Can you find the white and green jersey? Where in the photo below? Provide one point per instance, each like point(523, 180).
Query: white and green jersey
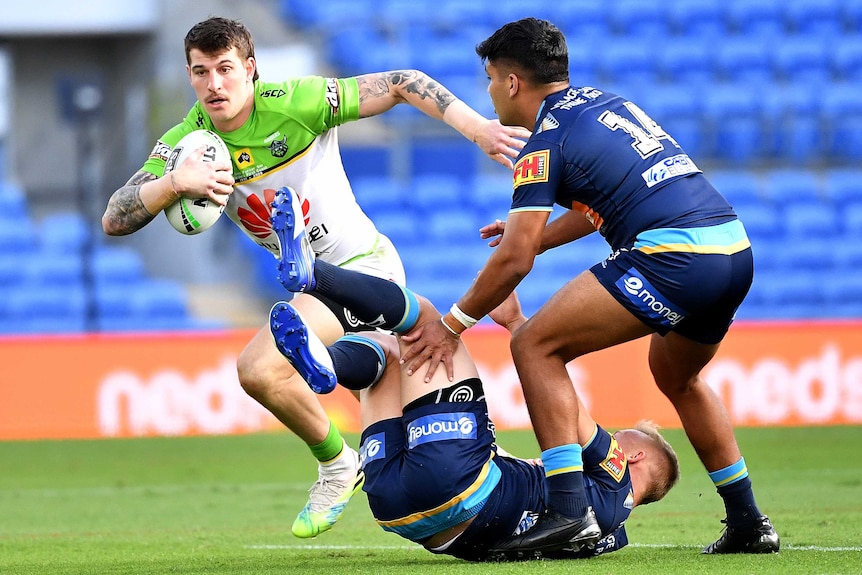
point(290, 140)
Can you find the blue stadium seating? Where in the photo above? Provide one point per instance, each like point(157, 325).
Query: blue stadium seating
point(814, 16)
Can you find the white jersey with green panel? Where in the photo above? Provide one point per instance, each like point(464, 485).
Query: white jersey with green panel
point(290, 139)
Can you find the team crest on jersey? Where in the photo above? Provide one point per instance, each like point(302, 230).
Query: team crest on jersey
point(615, 461)
point(243, 158)
point(532, 168)
point(161, 151)
point(278, 148)
point(548, 123)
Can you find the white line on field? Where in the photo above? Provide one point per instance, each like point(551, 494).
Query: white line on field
point(642, 545)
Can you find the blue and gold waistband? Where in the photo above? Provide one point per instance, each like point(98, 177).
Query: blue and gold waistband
point(726, 239)
point(424, 524)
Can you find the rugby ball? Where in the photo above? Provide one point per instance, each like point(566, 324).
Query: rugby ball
point(191, 216)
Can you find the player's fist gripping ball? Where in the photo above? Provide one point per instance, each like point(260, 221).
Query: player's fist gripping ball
point(191, 216)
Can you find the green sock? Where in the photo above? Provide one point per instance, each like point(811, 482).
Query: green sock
point(329, 448)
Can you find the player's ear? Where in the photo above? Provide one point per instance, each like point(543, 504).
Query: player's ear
point(635, 455)
point(514, 84)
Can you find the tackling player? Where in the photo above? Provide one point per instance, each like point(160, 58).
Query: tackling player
point(434, 474)
point(681, 264)
point(280, 134)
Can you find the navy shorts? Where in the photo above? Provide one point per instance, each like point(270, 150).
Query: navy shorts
point(432, 468)
point(690, 293)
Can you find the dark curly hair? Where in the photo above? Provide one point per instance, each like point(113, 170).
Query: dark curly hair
point(535, 46)
point(216, 35)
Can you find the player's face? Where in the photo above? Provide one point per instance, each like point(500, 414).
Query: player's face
point(498, 90)
point(222, 83)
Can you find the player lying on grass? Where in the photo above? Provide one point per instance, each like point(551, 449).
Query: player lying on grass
point(433, 472)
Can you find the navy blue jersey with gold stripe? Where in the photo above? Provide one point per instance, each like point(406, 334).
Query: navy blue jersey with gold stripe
point(599, 154)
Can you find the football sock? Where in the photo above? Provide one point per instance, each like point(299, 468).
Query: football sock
point(375, 301)
point(564, 473)
point(329, 448)
point(734, 486)
point(358, 361)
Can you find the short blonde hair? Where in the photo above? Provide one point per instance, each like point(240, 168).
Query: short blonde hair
point(666, 467)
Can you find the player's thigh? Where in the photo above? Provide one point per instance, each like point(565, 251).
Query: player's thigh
point(261, 360)
point(580, 318)
point(676, 361)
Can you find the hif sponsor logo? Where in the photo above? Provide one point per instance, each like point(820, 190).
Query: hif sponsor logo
point(441, 426)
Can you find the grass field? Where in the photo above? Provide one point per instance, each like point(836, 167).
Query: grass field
point(224, 505)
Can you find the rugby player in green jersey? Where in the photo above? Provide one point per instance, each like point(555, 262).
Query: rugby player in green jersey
point(284, 134)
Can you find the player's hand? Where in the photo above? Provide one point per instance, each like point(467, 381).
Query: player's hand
point(509, 313)
point(501, 142)
point(495, 231)
point(432, 343)
point(195, 178)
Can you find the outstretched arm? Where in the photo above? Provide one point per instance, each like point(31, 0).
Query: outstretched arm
point(381, 91)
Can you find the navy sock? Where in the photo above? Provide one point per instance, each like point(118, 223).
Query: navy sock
point(565, 478)
point(358, 361)
point(375, 301)
point(734, 486)
point(739, 503)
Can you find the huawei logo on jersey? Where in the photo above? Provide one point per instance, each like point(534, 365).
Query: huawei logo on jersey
point(256, 218)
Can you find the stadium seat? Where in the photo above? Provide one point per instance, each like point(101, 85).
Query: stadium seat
point(679, 110)
point(452, 156)
point(804, 220)
point(814, 16)
point(379, 194)
point(846, 58)
point(60, 303)
point(13, 201)
point(841, 289)
point(698, 19)
point(687, 61)
point(581, 21)
point(116, 265)
point(626, 61)
point(64, 232)
point(744, 59)
point(755, 18)
point(366, 161)
point(789, 185)
point(490, 195)
point(325, 15)
point(432, 192)
point(851, 221)
point(739, 187)
point(843, 186)
point(761, 221)
point(803, 59)
point(638, 19)
point(47, 267)
point(793, 118)
point(404, 228)
point(16, 236)
point(842, 116)
point(733, 113)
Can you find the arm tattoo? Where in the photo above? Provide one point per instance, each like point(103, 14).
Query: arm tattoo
point(125, 208)
point(413, 81)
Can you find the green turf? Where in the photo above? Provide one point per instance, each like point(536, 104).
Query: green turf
point(224, 505)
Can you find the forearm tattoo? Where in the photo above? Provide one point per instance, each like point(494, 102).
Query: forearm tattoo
point(126, 210)
point(413, 81)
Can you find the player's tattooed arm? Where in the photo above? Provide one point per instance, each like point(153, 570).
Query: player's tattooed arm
point(126, 212)
point(379, 92)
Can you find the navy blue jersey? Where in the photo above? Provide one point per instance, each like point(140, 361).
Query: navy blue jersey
point(595, 152)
